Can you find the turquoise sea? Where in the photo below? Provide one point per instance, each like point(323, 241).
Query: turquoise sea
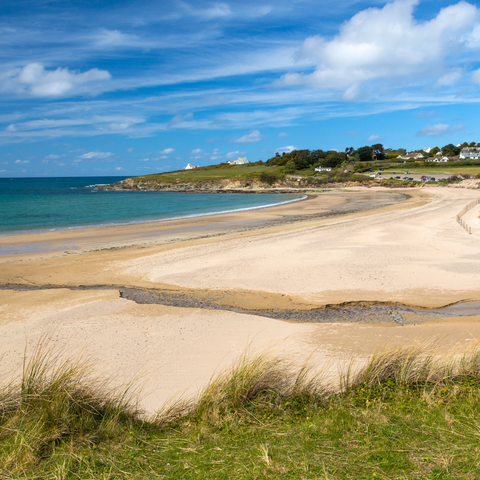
point(47, 204)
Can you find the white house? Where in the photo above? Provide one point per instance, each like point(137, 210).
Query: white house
point(427, 150)
point(411, 156)
point(239, 161)
point(470, 152)
point(190, 167)
point(323, 169)
point(438, 159)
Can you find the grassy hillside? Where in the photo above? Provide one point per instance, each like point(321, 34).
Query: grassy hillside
point(212, 172)
point(404, 415)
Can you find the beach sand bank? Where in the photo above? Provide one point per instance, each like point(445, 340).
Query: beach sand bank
point(412, 253)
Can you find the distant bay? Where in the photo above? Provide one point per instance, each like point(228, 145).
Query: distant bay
point(49, 204)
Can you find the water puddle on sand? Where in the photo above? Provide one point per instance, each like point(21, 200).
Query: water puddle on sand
point(366, 313)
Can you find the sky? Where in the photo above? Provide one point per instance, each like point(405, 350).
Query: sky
point(91, 88)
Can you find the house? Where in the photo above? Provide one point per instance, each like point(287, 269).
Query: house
point(190, 167)
point(427, 150)
point(411, 156)
point(438, 159)
point(239, 161)
point(470, 152)
point(323, 169)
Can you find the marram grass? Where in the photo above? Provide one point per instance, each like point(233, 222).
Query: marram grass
point(406, 413)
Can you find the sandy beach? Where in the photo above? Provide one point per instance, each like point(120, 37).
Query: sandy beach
point(358, 246)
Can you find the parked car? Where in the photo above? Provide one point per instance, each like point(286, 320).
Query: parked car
point(398, 178)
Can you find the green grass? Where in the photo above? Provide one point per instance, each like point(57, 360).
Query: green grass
point(440, 169)
point(214, 172)
point(406, 414)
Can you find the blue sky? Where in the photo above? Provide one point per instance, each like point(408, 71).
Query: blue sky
point(124, 88)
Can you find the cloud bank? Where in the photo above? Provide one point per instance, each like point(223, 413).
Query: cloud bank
point(388, 43)
point(36, 81)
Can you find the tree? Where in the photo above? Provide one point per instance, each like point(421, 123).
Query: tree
point(450, 150)
point(472, 144)
point(378, 152)
point(365, 153)
point(350, 151)
point(289, 167)
point(333, 160)
point(434, 151)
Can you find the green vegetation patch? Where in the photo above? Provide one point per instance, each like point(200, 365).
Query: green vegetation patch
point(405, 414)
point(212, 172)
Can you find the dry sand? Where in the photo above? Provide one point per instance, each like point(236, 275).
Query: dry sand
point(412, 253)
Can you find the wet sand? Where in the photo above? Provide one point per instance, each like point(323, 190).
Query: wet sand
point(411, 253)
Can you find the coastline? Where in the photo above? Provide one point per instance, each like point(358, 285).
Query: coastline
point(163, 219)
point(320, 204)
point(243, 280)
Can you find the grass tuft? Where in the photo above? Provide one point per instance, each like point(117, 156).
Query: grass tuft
point(57, 402)
point(407, 412)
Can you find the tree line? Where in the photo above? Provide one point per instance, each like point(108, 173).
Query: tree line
point(305, 159)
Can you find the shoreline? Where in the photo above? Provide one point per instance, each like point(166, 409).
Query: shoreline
point(318, 204)
point(313, 278)
point(150, 221)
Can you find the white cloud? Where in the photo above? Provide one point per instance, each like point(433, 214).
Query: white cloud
point(95, 155)
point(52, 157)
point(387, 43)
point(287, 149)
point(22, 161)
point(118, 168)
point(476, 76)
point(374, 138)
point(215, 11)
point(282, 135)
point(450, 78)
point(115, 38)
point(130, 149)
point(34, 80)
point(233, 154)
point(119, 127)
point(252, 137)
point(167, 151)
point(197, 151)
point(180, 120)
point(439, 130)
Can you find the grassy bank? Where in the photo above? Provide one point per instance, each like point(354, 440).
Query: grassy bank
point(405, 414)
point(213, 172)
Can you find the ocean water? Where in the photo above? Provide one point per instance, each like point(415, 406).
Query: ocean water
point(46, 204)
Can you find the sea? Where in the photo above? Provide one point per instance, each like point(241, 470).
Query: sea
point(48, 204)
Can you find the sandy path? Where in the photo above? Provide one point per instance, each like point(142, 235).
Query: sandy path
point(416, 256)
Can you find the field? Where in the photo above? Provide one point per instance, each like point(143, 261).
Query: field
point(441, 169)
point(213, 172)
point(403, 415)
